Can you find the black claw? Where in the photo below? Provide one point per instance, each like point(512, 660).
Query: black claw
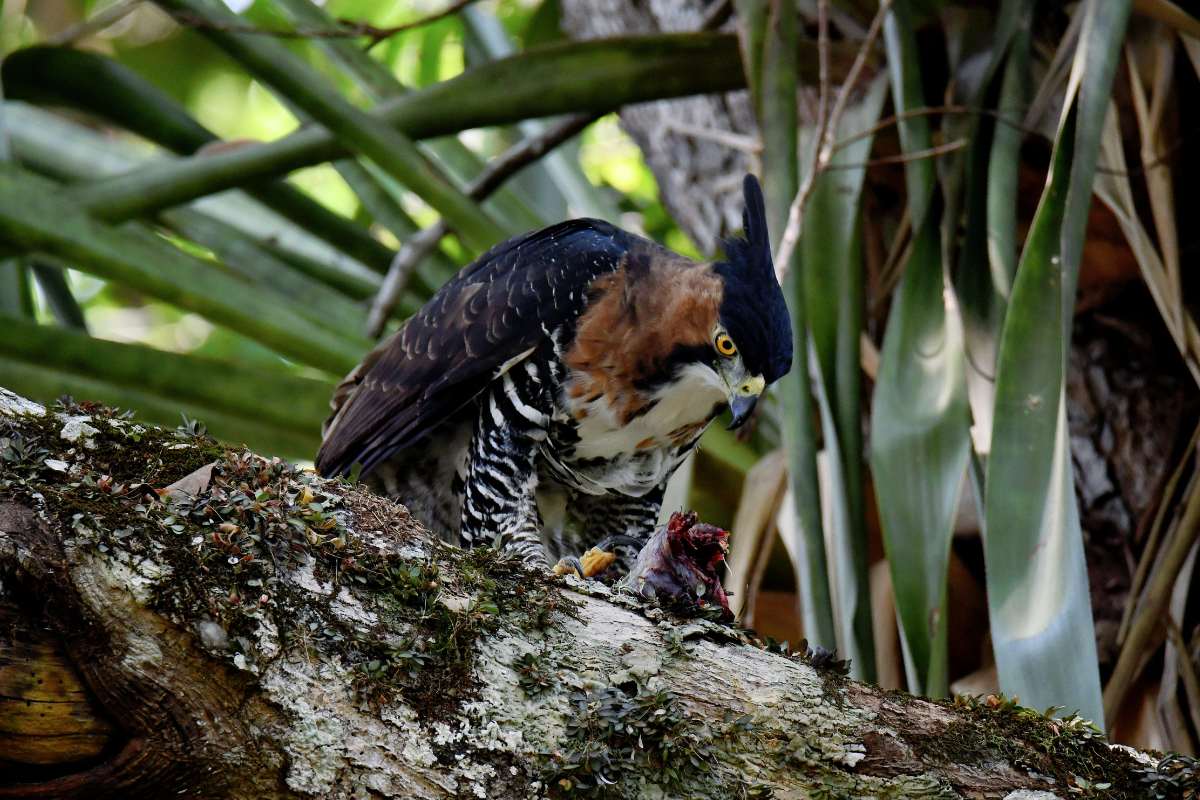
point(616, 540)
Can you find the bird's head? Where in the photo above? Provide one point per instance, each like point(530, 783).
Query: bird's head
point(752, 339)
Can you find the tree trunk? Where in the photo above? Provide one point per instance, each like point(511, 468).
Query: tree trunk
point(256, 631)
point(700, 175)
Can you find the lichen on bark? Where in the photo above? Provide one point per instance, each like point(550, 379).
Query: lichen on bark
point(263, 632)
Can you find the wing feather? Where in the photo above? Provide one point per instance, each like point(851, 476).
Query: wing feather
point(489, 317)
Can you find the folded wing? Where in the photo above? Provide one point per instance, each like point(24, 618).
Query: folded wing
point(490, 316)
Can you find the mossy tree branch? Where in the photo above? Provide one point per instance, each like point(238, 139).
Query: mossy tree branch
point(256, 631)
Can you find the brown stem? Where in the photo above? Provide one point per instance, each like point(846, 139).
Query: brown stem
point(1147, 626)
point(904, 158)
point(822, 147)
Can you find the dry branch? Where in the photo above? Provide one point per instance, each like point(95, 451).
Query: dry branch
point(256, 631)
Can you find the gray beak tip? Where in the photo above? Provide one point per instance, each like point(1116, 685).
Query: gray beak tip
point(742, 408)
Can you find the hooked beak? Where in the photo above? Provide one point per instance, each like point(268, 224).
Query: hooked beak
point(744, 398)
point(742, 407)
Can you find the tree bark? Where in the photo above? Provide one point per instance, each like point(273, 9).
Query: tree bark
point(256, 631)
point(701, 177)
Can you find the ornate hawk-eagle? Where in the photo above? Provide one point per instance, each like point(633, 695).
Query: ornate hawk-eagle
point(542, 398)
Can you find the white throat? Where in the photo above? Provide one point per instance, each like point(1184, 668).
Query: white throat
point(687, 400)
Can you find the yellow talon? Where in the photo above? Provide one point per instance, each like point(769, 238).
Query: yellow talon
point(567, 566)
point(592, 563)
point(596, 561)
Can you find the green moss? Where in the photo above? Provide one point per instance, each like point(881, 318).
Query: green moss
point(528, 599)
point(618, 737)
point(533, 674)
point(623, 740)
point(233, 551)
point(126, 450)
point(431, 664)
point(150, 455)
point(89, 483)
point(447, 604)
point(1070, 750)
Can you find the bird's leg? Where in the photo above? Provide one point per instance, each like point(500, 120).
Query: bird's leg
point(499, 503)
point(598, 558)
point(620, 526)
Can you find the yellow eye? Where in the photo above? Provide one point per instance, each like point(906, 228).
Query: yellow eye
point(725, 345)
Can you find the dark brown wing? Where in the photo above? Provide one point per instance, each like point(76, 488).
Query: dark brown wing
point(492, 312)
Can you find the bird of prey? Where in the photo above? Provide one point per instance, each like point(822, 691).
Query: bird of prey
point(540, 401)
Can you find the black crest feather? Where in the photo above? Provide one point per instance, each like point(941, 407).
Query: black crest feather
point(753, 309)
point(754, 224)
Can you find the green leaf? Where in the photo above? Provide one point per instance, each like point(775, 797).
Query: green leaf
point(988, 258)
point(773, 71)
point(381, 195)
point(562, 176)
point(597, 76)
point(101, 86)
point(1096, 58)
point(37, 217)
point(51, 144)
point(16, 295)
point(830, 251)
point(88, 81)
point(904, 71)
point(1042, 629)
point(16, 292)
point(752, 37)
point(47, 383)
point(919, 417)
point(1041, 613)
point(510, 202)
point(1003, 163)
point(381, 84)
point(290, 76)
point(382, 205)
point(52, 280)
point(269, 274)
point(723, 445)
point(978, 189)
point(376, 79)
point(919, 450)
point(273, 397)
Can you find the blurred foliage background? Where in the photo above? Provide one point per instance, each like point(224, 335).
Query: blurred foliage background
point(980, 476)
